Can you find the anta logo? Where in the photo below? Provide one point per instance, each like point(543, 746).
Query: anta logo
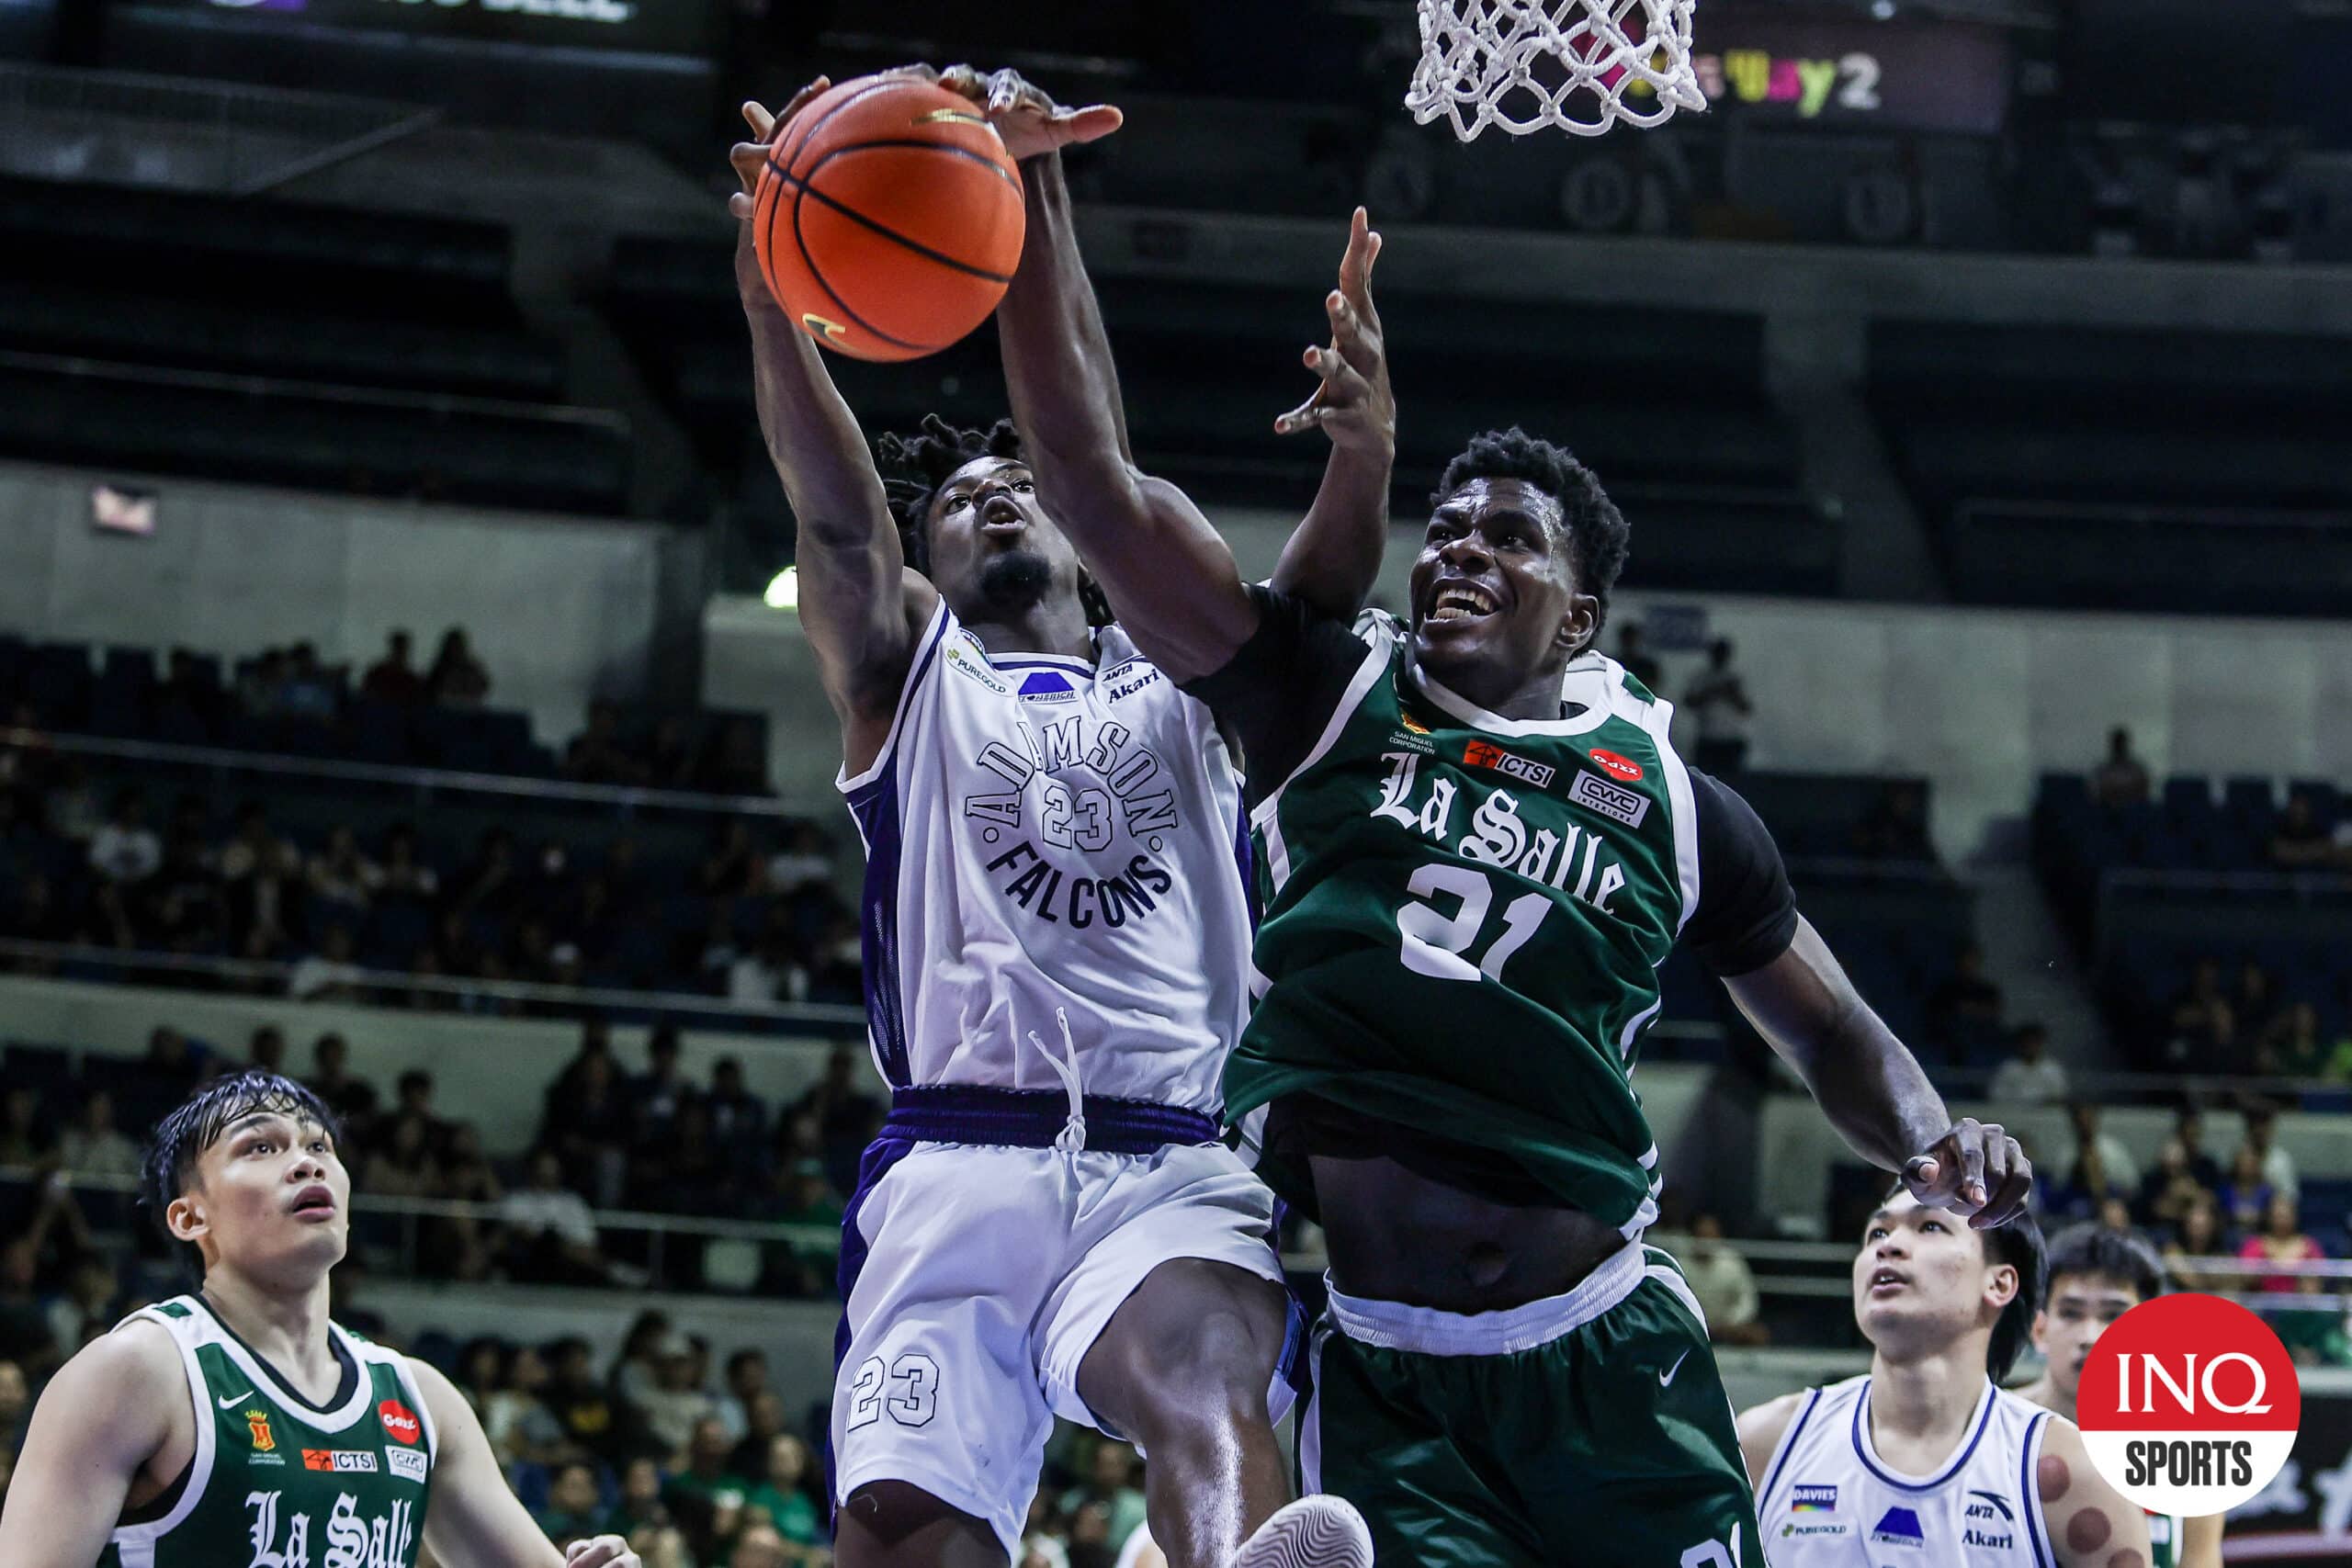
point(1616, 766)
point(400, 1421)
point(257, 1422)
point(1810, 1498)
point(969, 663)
point(1990, 1505)
point(1046, 686)
point(1486, 754)
point(1988, 1518)
point(1899, 1527)
point(341, 1461)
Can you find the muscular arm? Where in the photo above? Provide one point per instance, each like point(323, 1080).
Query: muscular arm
point(859, 604)
point(1169, 574)
point(2200, 1541)
point(2090, 1525)
point(475, 1522)
point(1872, 1089)
point(103, 1416)
point(1760, 1430)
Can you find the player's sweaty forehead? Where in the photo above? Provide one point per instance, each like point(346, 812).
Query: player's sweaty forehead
point(1502, 501)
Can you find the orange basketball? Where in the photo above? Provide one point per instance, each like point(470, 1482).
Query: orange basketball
point(888, 219)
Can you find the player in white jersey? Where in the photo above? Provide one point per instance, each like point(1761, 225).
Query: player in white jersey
point(1055, 932)
point(2096, 1276)
point(1925, 1462)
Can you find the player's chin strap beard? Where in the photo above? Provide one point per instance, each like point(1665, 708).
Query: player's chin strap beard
point(1071, 1139)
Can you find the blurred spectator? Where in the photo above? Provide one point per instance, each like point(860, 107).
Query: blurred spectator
point(761, 1546)
point(259, 679)
point(780, 1496)
point(771, 972)
point(174, 1064)
point(2262, 1137)
point(393, 679)
point(457, 679)
point(1634, 654)
point(747, 1378)
point(125, 850)
point(1965, 1006)
point(1895, 825)
point(461, 1243)
point(733, 867)
point(670, 757)
point(403, 873)
point(1719, 698)
point(405, 1166)
point(340, 876)
point(807, 858)
point(641, 1506)
point(2294, 1047)
point(764, 1421)
point(662, 1089)
point(184, 908)
point(352, 1099)
point(706, 1495)
point(267, 1049)
point(25, 1334)
point(2089, 1190)
point(2122, 1170)
point(34, 913)
point(2202, 1022)
point(2029, 1077)
point(2122, 778)
point(16, 1411)
point(597, 756)
point(330, 974)
point(1109, 1484)
point(25, 1136)
point(2301, 842)
point(2246, 1195)
point(845, 1114)
point(637, 1370)
point(515, 1415)
point(2199, 1235)
point(306, 689)
point(587, 1127)
point(692, 1175)
point(412, 1097)
point(2115, 1214)
point(2281, 1240)
point(550, 1231)
point(735, 763)
point(2168, 1193)
point(2189, 1126)
point(262, 872)
point(2254, 1003)
point(573, 1509)
point(1720, 1277)
point(578, 1399)
point(93, 1145)
point(738, 1117)
point(677, 1403)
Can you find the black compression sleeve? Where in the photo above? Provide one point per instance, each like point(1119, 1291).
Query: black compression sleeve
point(1278, 692)
point(1746, 914)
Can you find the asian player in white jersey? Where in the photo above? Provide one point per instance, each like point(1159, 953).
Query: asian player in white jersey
point(2096, 1276)
point(1057, 934)
point(1926, 1460)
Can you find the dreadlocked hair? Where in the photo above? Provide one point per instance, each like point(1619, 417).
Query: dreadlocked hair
point(1598, 532)
point(913, 468)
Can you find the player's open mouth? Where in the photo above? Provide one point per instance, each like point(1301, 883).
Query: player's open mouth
point(1461, 602)
point(1886, 1281)
point(314, 1203)
point(999, 516)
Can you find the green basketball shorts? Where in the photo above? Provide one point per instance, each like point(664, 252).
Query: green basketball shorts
point(1589, 1428)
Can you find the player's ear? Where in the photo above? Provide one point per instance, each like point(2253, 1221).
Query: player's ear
point(1580, 625)
point(186, 1218)
point(2001, 1287)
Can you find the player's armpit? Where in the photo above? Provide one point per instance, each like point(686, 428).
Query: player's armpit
point(2091, 1525)
point(1761, 1429)
point(103, 1416)
point(475, 1522)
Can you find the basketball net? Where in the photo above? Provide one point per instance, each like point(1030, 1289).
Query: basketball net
point(1580, 64)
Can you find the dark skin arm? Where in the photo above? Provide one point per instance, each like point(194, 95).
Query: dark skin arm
point(1874, 1091)
point(1169, 575)
point(860, 606)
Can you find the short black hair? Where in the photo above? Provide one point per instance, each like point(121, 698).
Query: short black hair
point(915, 467)
point(181, 1138)
point(1598, 534)
point(2017, 1243)
point(2115, 1254)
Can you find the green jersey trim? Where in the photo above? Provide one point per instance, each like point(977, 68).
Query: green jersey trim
point(136, 1543)
point(1594, 715)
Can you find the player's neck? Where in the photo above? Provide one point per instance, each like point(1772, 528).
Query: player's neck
point(1921, 1406)
point(1049, 625)
point(286, 1325)
point(1499, 691)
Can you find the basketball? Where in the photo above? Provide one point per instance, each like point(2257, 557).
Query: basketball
point(888, 219)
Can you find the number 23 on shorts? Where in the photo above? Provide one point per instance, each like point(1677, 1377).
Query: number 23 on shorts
point(908, 1388)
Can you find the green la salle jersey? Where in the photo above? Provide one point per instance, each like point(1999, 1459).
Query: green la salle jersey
point(276, 1483)
point(1464, 918)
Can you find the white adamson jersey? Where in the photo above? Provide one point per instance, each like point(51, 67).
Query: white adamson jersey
point(1828, 1501)
point(1048, 833)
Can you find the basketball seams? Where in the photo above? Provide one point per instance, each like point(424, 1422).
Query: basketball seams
point(835, 204)
point(878, 85)
point(993, 165)
point(809, 263)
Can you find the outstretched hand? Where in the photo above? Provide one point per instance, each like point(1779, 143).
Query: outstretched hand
point(1354, 405)
point(748, 158)
point(604, 1551)
point(1975, 1169)
point(1029, 120)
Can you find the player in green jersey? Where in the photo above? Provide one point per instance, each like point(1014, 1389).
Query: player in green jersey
point(2096, 1276)
point(1475, 845)
point(239, 1427)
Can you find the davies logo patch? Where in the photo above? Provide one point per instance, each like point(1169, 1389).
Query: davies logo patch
point(1629, 806)
point(1486, 754)
point(1616, 766)
point(1809, 1499)
point(400, 1421)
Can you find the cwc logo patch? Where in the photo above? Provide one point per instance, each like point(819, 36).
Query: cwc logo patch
point(1486, 754)
point(1596, 793)
point(1617, 766)
point(409, 1464)
point(400, 1421)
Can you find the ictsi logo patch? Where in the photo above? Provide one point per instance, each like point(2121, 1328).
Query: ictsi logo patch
point(1486, 754)
point(400, 1421)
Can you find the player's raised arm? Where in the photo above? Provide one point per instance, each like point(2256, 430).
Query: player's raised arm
point(103, 1416)
point(859, 603)
point(475, 1521)
point(1872, 1089)
point(1169, 574)
point(2091, 1525)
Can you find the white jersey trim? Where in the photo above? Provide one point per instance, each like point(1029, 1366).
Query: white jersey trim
point(1375, 664)
point(136, 1543)
point(1656, 718)
point(917, 669)
point(1787, 1446)
point(1426, 1331)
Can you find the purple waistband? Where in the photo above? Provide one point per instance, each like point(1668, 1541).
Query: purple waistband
point(1031, 1118)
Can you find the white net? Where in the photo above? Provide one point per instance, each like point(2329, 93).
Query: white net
point(1582, 65)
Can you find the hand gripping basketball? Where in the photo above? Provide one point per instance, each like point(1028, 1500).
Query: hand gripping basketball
point(1028, 120)
point(748, 158)
point(1353, 405)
